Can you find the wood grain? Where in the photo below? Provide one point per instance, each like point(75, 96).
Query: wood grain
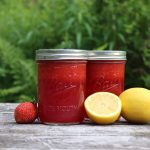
point(120, 136)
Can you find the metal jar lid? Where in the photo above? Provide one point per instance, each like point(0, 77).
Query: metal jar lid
point(106, 55)
point(61, 54)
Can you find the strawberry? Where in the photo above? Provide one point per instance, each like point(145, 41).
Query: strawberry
point(25, 112)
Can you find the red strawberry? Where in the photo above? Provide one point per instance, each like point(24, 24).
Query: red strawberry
point(25, 112)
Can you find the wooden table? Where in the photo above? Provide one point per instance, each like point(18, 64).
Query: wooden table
point(120, 136)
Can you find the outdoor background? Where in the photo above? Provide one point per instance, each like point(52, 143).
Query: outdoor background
point(28, 25)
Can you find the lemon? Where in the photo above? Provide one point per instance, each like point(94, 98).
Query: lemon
point(103, 107)
point(136, 105)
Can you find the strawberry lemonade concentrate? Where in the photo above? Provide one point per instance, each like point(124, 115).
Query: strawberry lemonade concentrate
point(61, 85)
point(105, 72)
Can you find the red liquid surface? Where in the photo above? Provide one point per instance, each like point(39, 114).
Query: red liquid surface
point(105, 76)
point(61, 91)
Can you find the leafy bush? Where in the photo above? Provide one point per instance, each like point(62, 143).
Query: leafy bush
point(17, 74)
point(126, 25)
point(99, 24)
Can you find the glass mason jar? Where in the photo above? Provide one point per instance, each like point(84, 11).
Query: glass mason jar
point(105, 71)
point(61, 85)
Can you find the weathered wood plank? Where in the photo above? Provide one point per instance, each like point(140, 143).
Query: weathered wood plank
point(119, 136)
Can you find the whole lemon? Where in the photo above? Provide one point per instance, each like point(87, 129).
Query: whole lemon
point(136, 105)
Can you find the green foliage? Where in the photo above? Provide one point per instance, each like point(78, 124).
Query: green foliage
point(126, 25)
point(27, 25)
point(17, 74)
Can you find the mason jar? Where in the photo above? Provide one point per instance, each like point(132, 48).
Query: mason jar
point(61, 85)
point(105, 71)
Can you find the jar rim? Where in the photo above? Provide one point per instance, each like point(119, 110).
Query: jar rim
point(107, 55)
point(61, 54)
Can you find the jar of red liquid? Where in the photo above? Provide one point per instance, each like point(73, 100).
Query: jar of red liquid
point(105, 71)
point(61, 85)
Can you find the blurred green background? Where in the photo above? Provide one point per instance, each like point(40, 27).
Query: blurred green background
point(28, 25)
